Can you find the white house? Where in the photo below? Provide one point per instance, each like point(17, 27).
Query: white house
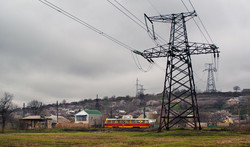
point(233, 101)
point(90, 117)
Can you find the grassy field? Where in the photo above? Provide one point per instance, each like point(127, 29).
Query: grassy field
point(114, 138)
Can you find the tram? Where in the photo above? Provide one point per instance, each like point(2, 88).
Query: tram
point(127, 123)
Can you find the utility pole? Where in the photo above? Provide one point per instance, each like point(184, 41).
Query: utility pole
point(56, 111)
point(179, 72)
point(24, 109)
point(137, 88)
point(141, 92)
point(239, 113)
point(140, 95)
point(111, 112)
point(97, 104)
point(210, 77)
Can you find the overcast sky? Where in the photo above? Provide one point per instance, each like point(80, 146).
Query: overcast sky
point(48, 57)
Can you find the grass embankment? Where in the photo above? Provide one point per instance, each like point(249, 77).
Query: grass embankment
point(110, 137)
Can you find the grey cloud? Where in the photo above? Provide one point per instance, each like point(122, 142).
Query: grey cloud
point(45, 55)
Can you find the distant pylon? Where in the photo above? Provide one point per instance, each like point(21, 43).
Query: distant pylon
point(97, 104)
point(210, 77)
point(140, 94)
point(139, 88)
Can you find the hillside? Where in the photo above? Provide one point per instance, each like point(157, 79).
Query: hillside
point(209, 105)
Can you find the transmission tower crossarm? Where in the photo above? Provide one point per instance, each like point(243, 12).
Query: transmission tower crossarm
point(155, 52)
point(203, 48)
point(194, 49)
point(168, 18)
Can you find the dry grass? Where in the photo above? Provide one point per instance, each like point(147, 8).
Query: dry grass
point(72, 125)
point(113, 138)
point(244, 128)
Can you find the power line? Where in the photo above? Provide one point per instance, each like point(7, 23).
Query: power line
point(127, 14)
point(195, 22)
point(137, 63)
point(185, 5)
point(201, 23)
point(213, 59)
point(153, 7)
point(134, 18)
point(71, 16)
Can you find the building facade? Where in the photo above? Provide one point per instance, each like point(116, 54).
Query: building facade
point(35, 122)
point(89, 117)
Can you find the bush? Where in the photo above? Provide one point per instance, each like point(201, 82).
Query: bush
point(72, 125)
point(245, 128)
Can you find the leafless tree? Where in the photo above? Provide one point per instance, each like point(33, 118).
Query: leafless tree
point(236, 88)
point(63, 101)
point(6, 108)
point(218, 116)
point(36, 107)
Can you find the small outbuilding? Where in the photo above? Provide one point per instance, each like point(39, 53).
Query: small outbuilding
point(57, 120)
point(89, 117)
point(35, 122)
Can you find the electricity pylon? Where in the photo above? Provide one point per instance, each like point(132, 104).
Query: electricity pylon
point(139, 89)
point(140, 95)
point(210, 77)
point(179, 86)
point(97, 104)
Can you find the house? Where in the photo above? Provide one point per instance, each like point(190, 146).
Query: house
point(152, 103)
point(89, 117)
point(35, 122)
point(122, 112)
point(245, 92)
point(233, 101)
point(150, 115)
point(127, 117)
point(59, 119)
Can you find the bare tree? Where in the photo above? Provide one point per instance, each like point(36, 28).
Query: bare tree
point(6, 108)
point(236, 88)
point(63, 101)
point(36, 107)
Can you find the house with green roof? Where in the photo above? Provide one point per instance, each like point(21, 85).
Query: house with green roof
point(89, 117)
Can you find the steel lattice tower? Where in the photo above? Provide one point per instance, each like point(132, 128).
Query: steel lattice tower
point(179, 86)
point(210, 78)
point(97, 104)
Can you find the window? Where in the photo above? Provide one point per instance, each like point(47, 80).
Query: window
point(137, 121)
point(142, 121)
point(128, 121)
point(113, 121)
point(132, 121)
point(109, 121)
point(147, 121)
point(118, 121)
point(81, 117)
point(123, 121)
